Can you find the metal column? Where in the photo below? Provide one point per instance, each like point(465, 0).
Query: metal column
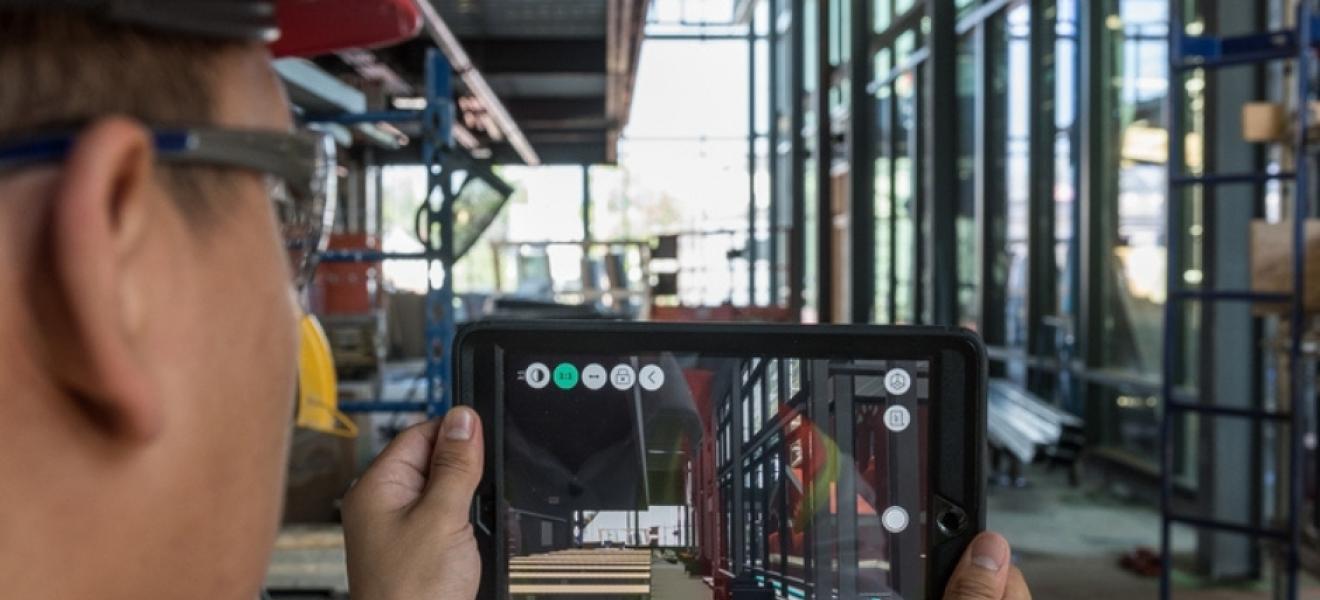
point(825, 274)
point(821, 535)
point(435, 221)
point(1042, 297)
point(846, 514)
point(941, 276)
point(797, 238)
point(861, 161)
point(439, 126)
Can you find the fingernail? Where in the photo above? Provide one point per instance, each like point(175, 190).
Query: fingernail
point(458, 426)
point(989, 552)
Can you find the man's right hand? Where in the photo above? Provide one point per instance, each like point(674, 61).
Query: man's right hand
point(985, 573)
point(406, 520)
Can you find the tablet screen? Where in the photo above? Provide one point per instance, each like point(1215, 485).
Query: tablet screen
point(650, 474)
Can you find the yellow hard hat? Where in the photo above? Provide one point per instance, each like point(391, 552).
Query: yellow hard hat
point(318, 394)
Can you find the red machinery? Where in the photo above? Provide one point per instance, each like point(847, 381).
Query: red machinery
point(343, 289)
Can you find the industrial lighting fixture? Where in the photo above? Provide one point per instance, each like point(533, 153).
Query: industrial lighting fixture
point(462, 64)
point(409, 103)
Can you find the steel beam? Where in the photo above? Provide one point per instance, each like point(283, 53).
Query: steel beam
point(861, 159)
point(1042, 297)
point(797, 241)
point(825, 274)
point(476, 84)
point(941, 276)
point(1092, 239)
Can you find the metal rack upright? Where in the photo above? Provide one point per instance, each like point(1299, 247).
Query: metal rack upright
point(1188, 53)
point(436, 232)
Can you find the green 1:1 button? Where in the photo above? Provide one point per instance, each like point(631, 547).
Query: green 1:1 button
point(566, 376)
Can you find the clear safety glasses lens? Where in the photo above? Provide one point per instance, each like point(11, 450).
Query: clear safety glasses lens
point(306, 212)
point(301, 167)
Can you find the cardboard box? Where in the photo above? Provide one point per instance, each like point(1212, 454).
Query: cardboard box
point(1264, 122)
point(1272, 263)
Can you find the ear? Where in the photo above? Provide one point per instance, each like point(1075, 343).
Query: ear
point(92, 312)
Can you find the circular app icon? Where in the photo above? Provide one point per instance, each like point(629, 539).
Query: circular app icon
point(897, 382)
point(895, 519)
point(652, 378)
point(897, 418)
point(537, 376)
point(566, 376)
point(594, 376)
point(623, 377)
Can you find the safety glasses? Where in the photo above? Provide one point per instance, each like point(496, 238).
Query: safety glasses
point(300, 169)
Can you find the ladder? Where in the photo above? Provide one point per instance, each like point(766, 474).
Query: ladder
point(1187, 53)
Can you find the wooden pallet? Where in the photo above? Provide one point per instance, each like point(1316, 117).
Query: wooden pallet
point(582, 573)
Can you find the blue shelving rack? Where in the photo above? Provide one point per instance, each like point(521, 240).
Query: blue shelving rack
point(436, 231)
point(1187, 53)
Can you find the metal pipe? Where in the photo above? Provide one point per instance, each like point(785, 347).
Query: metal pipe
point(476, 83)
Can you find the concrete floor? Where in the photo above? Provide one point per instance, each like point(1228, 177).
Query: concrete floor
point(670, 582)
point(1068, 542)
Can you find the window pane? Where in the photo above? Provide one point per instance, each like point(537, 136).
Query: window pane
point(1135, 262)
point(906, 174)
point(968, 271)
point(884, 192)
point(883, 15)
point(1066, 157)
point(1009, 88)
point(811, 278)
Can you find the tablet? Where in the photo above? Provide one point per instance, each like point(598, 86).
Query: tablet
point(639, 460)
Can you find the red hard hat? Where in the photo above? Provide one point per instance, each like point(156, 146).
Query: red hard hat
point(314, 27)
point(292, 27)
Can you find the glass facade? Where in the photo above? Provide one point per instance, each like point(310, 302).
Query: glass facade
point(811, 119)
point(1024, 83)
point(1011, 108)
point(1135, 260)
point(965, 220)
point(1059, 325)
point(897, 174)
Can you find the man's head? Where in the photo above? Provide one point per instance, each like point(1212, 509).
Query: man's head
point(147, 348)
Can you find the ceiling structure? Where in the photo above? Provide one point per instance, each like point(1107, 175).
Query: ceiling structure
point(564, 71)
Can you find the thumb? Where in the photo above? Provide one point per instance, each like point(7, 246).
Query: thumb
point(983, 572)
point(456, 463)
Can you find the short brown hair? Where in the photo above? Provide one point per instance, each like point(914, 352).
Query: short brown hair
point(65, 68)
